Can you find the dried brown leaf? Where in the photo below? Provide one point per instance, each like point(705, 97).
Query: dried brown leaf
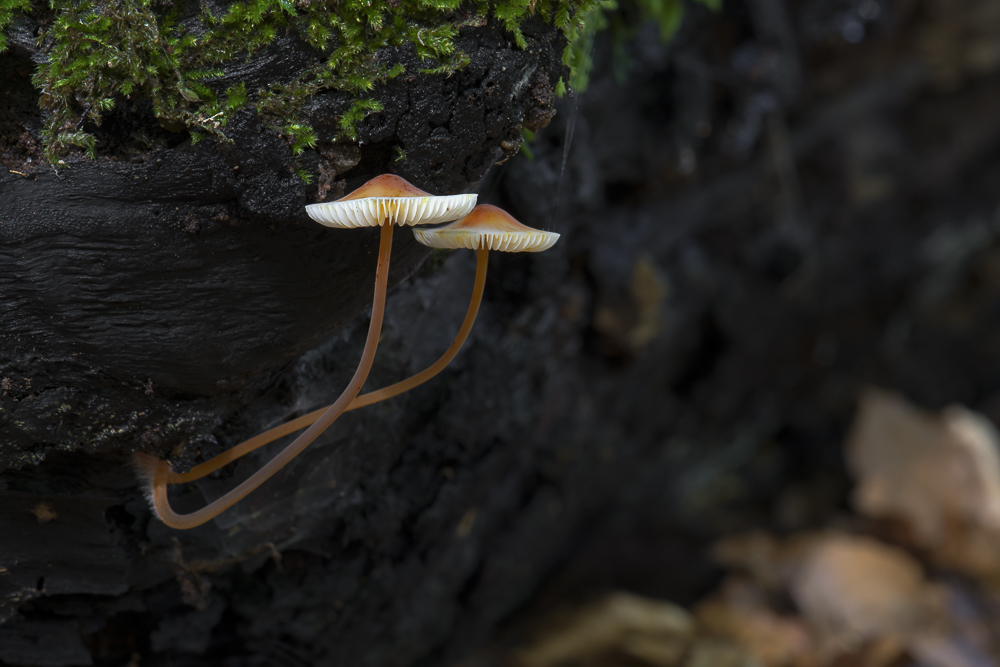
point(650, 630)
point(938, 473)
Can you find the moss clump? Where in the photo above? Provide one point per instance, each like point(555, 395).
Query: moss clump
point(101, 52)
point(7, 9)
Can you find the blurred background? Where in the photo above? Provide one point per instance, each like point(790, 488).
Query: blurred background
point(781, 240)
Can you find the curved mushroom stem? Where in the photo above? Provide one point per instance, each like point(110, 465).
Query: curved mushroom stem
point(247, 446)
point(159, 473)
point(482, 255)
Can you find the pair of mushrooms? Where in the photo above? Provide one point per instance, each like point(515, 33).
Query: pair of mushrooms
point(384, 201)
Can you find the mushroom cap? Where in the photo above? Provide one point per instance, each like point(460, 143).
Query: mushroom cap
point(389, 198)
point(488, 227)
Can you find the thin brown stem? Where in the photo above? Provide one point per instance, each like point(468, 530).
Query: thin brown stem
point(439, 365)
point(298, 423)
point(159, 471)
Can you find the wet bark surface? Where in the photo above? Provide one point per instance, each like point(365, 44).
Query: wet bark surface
point(766, 216)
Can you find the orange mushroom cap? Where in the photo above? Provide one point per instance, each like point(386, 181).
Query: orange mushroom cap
point(488, 227)
point(390, 199)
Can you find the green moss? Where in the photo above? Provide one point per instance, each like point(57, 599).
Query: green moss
point(458, 61)
point(7, 9)
point(622, 18)
point(529, 138)
point(101, 52)
point(578, 55)
point(360, 110)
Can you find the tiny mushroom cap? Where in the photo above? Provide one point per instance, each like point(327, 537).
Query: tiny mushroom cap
point(490, 228)
point(390, 199)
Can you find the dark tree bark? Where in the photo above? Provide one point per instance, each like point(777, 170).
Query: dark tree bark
point(769, 214)
point(150, 294)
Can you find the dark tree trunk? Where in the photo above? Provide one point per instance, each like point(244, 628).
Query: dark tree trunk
point(767, 215)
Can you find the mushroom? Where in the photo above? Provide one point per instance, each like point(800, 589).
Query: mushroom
point(485, 228)
point(384, 201)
